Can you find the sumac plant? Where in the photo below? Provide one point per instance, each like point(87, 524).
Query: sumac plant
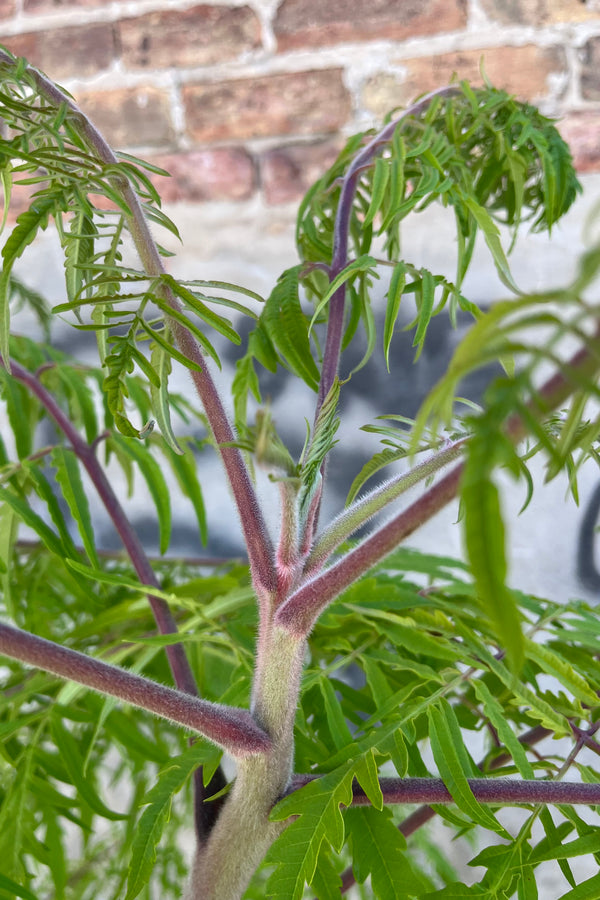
point(349, 682)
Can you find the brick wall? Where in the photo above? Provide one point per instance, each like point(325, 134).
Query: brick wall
point(244, 99)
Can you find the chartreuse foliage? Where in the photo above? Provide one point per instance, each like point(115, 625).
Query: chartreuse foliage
point(418, 658)
point(484, 156)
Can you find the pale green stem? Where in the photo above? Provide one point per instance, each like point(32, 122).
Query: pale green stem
point(242, 835)
point(360, 512)
point(288, 557)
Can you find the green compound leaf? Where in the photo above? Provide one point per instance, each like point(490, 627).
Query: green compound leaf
point(379, 850)
point(152, 822)
point(336, 722)
point(506, 735)
point(394, 296)
point(327, 883)
point(81, 400)
point(286, 327)
point(155, 481)
point(319, 819)
point(364, 263)
point(380, 182)
point(45, 491)
point(538, 708)
point(492, 239)
point(69, 479)
point(47, 536)
point(581, 846)
point(160, 361)
point(118, 580)
point(484, 535)
point(185, 468)
point(15, 890)
point(367, 775)
point(78, 245)
point(426, 296)
point(74, 762)
point(586, 890)
point(551, 663)
point(454, 765)
point(27, 226)
point(204, 312)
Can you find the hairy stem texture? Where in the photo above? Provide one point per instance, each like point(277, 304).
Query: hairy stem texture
point(242, 835)
point(502, 791)
point(302, 609)
point(230, 728)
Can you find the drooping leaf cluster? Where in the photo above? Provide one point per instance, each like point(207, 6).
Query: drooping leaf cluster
point(526, 333)
point(406, 655)
point(529, 335)
point(29, 467)
point(481, 154)
point(413, 664)
point(48, 154)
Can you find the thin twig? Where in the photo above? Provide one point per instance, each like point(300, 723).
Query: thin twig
point(587, 737)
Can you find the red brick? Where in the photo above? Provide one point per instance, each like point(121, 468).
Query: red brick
point(26, 45)
point(7, 8)
point(520, 70)
point(200, 36)
point(581, 131)
point(90, 50)
point(131, 117)
point(302, 103)
point(590, 77)
point(315, 23)
point(201, 175)
point(288, 172)
point(537, 12)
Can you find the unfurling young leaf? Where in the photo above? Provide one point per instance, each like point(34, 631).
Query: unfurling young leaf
point(318, 447)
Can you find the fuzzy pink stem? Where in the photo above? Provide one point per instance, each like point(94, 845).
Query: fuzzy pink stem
point(300, 612)
point(501, 791)
point(229, 727)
